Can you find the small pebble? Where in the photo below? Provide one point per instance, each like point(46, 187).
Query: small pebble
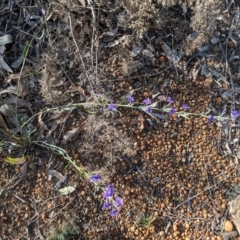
point(228, 226)
point(136, 232)
point(132, 229)
point(174, 227)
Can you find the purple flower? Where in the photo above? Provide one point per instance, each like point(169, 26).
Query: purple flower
point(119, 202)
point(130, 99)
point(169, 100)
point(107, 205)
point(147, 101)
point(43, 11)
point(211, 118)
point(235, 114)
point(114, 212)
point(112, 107)
point(95, 178)
point(185, 106)
point(109, 191)
point(148, 110)
point(172, 111)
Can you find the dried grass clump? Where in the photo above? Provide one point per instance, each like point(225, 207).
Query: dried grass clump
point(51, 79)
point(140, 16)
point(203, 21)
point(67, 230)
point(102, 143)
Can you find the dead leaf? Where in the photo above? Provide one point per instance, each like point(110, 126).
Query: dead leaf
point(11, 77)
point(56, 82)
point(135, 51)
point(148, 53)
point(24, 169)
point(18, 102)
point(69, 135)
point(5, 39)
point(167, 50)
point(17, 62)
point(4, 65)
point(141, 120)
point(217, 214)
point(41, 123)
point(110, 33)
point(2, 123)
point(160, 116)
point(56, 174)
point(60, 117)
point(82, 91)
point(67, 190)
point(6, 110)
point(83, 2)
point(2, 49)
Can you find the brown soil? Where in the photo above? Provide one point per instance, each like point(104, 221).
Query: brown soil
point(174, 173)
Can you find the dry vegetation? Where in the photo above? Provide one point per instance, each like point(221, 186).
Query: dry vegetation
point(62, 63)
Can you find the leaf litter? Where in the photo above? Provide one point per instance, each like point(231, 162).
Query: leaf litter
point(123, 37)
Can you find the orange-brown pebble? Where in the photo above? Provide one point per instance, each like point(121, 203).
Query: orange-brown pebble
point(132, 229)
point(187, 226)
point(228, 226)
point(174, 227)
point(136, 232)
point(161, 233)
point(145, 94)
point(231, 44)
point(205, 215)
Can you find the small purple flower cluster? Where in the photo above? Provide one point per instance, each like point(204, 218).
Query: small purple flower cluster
point(169, 100)
point(130, 99)
point(185, 107)
point(172, 109)
point(112, 204)
point(147, 101)
point(112, 107)
point(234, 115)
point(95, 178)
point(211, 118)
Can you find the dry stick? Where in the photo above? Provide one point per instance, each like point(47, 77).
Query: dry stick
point(227, 65)
point(94, 29)
point(69, 79)
point(198, 194)
point(97, 45)
point(94, 38)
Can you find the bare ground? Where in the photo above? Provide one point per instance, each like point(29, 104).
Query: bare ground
point(59, 71)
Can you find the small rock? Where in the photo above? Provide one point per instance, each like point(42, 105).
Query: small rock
point(228, 226)
point(132, 229)
point(161, 233)
point(174, 227)
point(136, 232)
point(187, 226)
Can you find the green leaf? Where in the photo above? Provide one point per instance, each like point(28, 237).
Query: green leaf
point(17, 161)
